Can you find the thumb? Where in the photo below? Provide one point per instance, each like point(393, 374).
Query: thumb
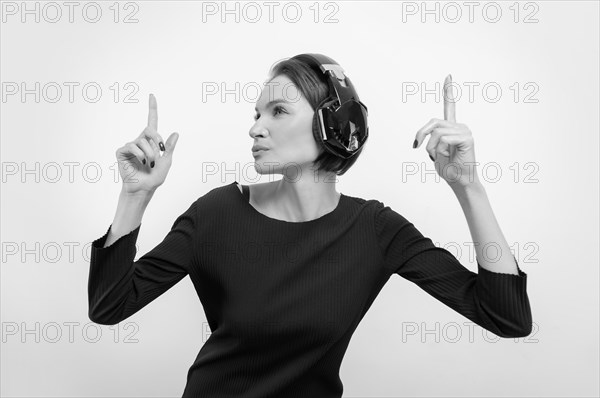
point(170, 144)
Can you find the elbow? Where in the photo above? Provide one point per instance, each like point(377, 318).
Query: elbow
point(525, 325)
point(102, 319)
point(515, 331)
point(524, 331)
point(509, 323)
point(105, 310)
point(510, 327)
point(512, 333)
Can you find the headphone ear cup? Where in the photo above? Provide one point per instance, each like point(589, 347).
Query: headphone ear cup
point(318, 134)
point(316, 128)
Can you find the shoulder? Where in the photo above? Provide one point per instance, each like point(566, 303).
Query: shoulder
point(365, 207)
point(214, 197)
point(362, 202)
point(380, 212)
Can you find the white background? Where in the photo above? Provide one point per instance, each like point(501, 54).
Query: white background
point(545, 200)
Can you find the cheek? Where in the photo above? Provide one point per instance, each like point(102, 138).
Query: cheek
point(307, 140)
point(301, 133)
point(307, 131)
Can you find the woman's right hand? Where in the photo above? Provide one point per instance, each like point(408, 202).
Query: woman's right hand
point(141, 166)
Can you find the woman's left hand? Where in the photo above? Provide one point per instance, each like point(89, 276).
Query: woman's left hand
point(451, 144)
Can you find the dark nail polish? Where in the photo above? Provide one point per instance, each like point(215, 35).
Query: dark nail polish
point(144, 161)
point(152, 164)
point(415, 144)
point(431, 158)
point(161, 146)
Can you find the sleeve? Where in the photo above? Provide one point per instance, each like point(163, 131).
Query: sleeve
point(118, 287)
point(495, 301)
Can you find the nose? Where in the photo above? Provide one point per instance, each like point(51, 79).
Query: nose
point(258, 130)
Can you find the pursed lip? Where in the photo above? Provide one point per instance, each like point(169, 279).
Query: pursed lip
point(258, 148)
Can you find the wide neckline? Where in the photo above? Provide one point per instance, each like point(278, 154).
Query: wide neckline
point(326, 216)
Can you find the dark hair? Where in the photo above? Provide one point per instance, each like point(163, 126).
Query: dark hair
point(314, 88)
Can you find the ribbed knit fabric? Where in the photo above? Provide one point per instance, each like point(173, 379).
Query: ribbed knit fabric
point(283, 298)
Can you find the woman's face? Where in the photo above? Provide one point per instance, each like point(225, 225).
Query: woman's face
point(283, 124)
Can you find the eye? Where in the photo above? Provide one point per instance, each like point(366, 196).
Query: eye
point(278, 108)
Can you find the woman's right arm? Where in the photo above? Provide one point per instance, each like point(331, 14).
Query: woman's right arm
point(118, 286)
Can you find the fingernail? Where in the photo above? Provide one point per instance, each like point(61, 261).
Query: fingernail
point(431, 158)
point(144, 161)
point(415, 144)
point(152, 164)
point(161, 146)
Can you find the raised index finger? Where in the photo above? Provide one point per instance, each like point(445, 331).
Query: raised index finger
point(153, 113)
point(449, 100)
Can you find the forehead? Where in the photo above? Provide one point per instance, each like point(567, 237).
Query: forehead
point(277, 89)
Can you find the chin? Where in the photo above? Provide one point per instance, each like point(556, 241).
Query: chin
point(260, 169)
point(266, 167)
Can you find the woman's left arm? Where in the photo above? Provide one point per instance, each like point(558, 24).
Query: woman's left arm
point(451, 148)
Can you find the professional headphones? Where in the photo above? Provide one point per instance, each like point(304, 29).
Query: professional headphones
point(340, 121)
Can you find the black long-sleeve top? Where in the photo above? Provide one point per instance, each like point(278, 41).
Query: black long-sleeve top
point(283, 299)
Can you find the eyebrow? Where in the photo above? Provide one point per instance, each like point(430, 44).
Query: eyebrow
point(275, 101)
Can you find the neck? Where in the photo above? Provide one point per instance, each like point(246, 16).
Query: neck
point(304, 199)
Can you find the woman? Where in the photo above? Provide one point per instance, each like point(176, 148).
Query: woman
point(286, 270)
